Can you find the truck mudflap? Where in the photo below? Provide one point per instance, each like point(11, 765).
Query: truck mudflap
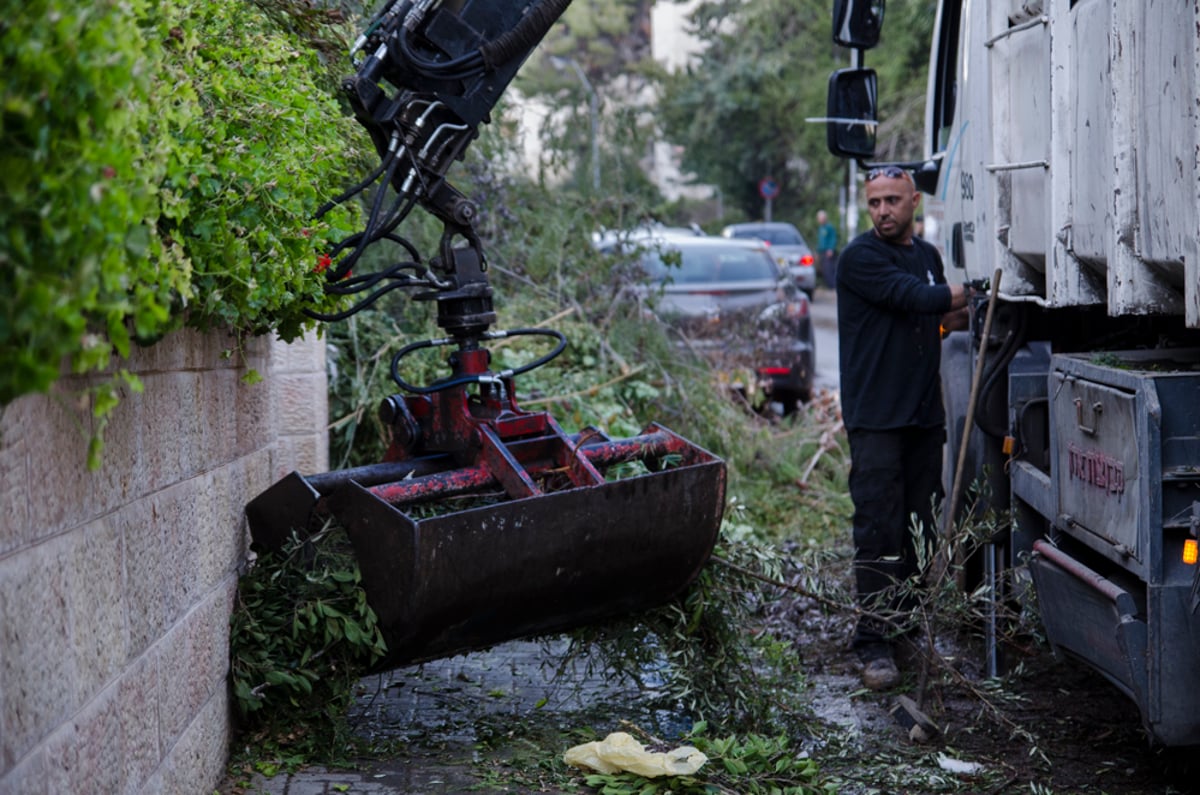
point(1091, 618)
point(1144, 644)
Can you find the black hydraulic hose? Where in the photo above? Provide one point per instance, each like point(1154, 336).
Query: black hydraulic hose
point(998, 366)
point(356, 284)
point(1022, 445)
point(364, 239)
point(532, 332)
point(400, 210)
point(454, 69)
point(525, 35)
point(346, 263)
point(366, 302)
point(367, 281)
point(349, 192)
point(438, 386)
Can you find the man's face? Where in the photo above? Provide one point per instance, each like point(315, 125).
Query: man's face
point(892, 203)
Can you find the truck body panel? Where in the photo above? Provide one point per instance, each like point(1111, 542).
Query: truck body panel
point(1067, 136)
point(1071, 159)
point(1125, 485)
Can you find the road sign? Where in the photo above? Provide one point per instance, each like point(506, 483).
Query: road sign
point(768, 188)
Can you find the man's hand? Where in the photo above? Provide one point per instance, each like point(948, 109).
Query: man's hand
point(956, 320)
point(960, 295)
point(959, 316)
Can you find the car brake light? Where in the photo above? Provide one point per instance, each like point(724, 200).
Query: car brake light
point(807, 259)
point(773, 371)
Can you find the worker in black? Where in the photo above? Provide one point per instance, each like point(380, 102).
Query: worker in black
point(893, 301)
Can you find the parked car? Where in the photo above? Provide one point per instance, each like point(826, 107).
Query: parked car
point(788, 247)
point(607, 239)
point(729, 299)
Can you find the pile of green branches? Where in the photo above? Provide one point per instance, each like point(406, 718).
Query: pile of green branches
point(301, 636)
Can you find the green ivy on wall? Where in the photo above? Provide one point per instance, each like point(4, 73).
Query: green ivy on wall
point(160, 165)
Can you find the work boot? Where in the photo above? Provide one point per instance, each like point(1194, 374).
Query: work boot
point(879, 669)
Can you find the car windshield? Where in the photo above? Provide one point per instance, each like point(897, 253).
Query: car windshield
point(699, 265)
point(776, 237)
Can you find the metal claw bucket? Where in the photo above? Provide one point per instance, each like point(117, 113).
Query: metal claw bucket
point(468, 579)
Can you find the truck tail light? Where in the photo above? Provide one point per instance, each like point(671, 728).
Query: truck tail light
point(1191, 551)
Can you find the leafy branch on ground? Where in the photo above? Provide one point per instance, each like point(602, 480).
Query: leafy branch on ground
point(301, 636)
point(749, 764)
point(696, 653)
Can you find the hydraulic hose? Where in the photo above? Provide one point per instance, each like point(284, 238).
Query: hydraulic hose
point(996, 368)
point(473, 378)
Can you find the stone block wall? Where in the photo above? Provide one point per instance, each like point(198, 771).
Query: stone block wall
point(116, 586)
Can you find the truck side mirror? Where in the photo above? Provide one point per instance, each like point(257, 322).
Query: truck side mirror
point(927, 175)
point(850, 109)
point(856, 23)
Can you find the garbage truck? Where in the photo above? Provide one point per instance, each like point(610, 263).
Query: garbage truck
point(1063, 138)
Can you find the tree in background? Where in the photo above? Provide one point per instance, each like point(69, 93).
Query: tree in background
point(599, 52)
point(739, 110)
point(902, 61)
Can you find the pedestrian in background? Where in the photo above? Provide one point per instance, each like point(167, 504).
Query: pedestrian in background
point(892, 302)
point(827, 240)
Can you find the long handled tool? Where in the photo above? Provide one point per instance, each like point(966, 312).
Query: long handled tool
point(957, 485)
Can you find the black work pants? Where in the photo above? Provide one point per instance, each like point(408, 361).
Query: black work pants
point(895, 481)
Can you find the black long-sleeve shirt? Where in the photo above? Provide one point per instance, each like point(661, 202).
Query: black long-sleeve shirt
point(890, 301)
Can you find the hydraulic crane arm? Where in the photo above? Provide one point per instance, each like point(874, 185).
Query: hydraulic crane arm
point(524, 531)
point(428, 73)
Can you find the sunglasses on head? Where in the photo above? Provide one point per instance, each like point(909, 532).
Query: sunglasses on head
point(891, 172)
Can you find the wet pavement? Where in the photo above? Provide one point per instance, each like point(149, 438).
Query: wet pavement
point(824, 316)
point(449, 716)
point(443, 713)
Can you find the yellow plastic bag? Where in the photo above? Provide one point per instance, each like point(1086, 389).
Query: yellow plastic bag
point(620, 752)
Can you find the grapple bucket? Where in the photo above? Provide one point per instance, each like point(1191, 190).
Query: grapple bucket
point(570, 552)
point(486, 522)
